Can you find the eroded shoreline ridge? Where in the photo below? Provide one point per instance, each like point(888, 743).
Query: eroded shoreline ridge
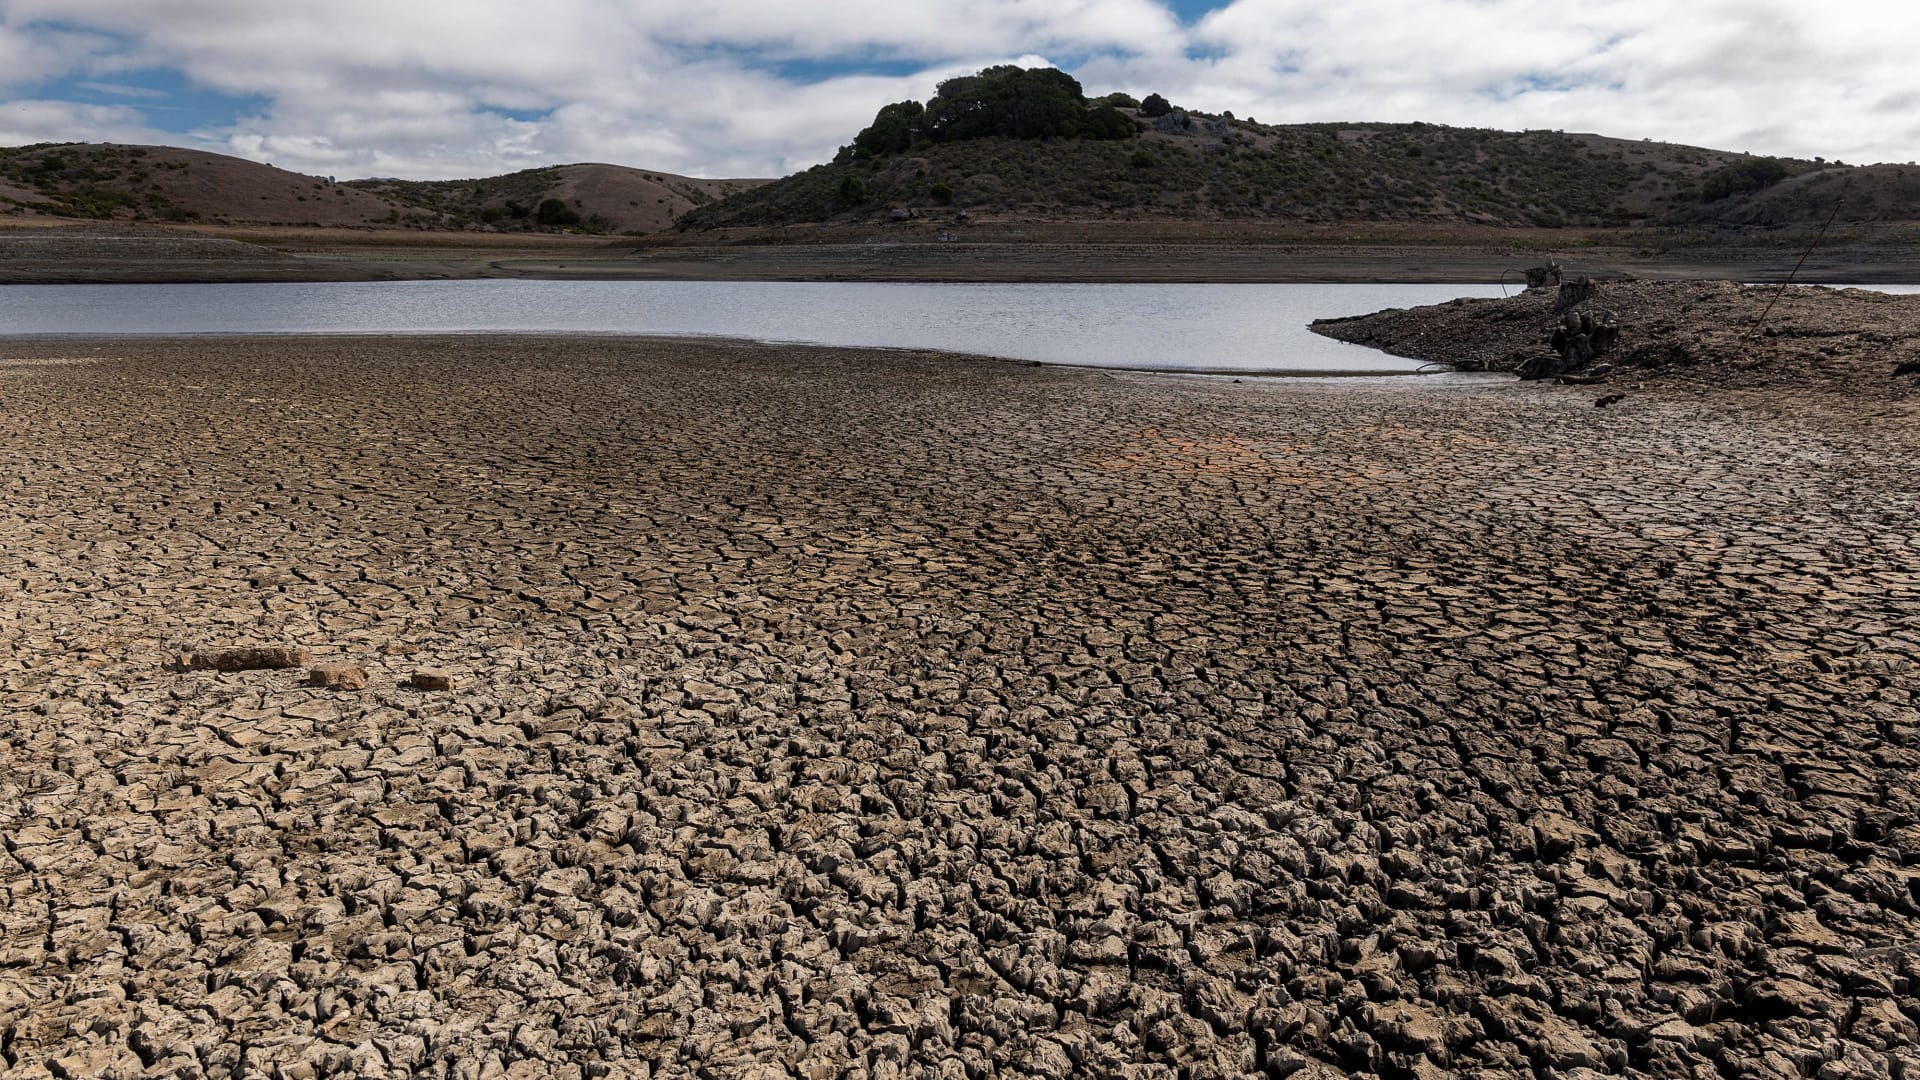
point(1706, 333)
point(812, 712)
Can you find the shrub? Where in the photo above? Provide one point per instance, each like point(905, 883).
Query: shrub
point(853, 190)
point(940, 193)
point(1142, 159)
point(554, 213)
point(1154, 105)
point(1107, 122)
point(1742, 177)
point(1120, 101)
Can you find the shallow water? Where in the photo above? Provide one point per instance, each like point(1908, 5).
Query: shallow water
point(1175, 327)
point(1253, 328)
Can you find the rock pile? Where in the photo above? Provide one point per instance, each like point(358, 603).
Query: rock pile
point(1583, 335)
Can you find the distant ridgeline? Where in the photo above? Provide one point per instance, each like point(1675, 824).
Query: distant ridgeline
point(107, 181)
point(1025, 142)
point(1030, 141)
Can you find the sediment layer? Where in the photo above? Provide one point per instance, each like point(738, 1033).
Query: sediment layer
point(1711, 333)
point(815, 712)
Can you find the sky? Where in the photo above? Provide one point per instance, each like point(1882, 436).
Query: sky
point(435, 89)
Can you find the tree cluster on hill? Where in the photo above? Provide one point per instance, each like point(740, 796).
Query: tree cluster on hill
point(1743, 177)
point(1231, 168)
point(1005, 101)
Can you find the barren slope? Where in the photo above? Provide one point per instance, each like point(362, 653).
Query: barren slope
point(606, 198)
point(165, 183)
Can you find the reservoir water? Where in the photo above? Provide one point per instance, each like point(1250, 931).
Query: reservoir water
point(1255, 328)
point(1251, 328)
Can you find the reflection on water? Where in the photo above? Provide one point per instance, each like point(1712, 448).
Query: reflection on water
point(1178, 327)
point(1182, 327)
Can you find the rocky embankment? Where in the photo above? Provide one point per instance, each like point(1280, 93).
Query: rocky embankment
point(133, 255)
point(1713, 332)
point(625, 708)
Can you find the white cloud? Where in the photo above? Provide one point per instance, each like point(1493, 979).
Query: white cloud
point(28, 56)
point(422, 87)
point(1772, 76)
point(29, 121)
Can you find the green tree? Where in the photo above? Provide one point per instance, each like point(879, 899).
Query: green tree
point(853, 190)
point(893, 130)
point(1107, 122)
point(1155, 105)
point(1742, 177)
point(554, 214)
point(1008, 101)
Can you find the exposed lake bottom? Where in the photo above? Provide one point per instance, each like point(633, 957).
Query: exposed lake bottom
point(805, 710)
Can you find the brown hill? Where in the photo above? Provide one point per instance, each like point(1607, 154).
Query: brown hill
point(1852, 195)
point(165, 183)
point(1008, 142)
point(1190, 166)
point(604, 198)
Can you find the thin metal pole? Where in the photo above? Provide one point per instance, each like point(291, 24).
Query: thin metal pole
point(1782, 291)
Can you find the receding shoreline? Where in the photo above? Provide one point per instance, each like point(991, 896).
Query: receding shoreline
point(1714, 333)
point(718, 340)
point(817, 709)
point(1198, 253)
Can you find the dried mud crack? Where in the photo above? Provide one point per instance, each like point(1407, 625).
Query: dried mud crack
point(826, 713)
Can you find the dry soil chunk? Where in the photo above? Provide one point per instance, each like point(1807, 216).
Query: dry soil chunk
point(244, 658)
point(337, 676)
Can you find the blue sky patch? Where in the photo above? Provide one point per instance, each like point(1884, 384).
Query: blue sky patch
point(808, 70)
point(1192, 11)
point(525, 116)
point(168, 99)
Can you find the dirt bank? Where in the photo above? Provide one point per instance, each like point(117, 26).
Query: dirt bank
point(1709, 332)
point(818, 712)
point(983, 251)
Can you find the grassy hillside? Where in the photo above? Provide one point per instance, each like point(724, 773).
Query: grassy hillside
point(1176, 167)
point(1863, 195)
point(591, 198)
point(164, 183)
point(1201, 167)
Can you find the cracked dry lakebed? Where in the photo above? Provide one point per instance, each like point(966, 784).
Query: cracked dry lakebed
point(642, 708)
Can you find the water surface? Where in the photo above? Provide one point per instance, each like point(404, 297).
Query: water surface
point(1174, 327)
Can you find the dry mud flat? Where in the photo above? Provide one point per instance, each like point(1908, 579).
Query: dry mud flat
point(829, 713)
